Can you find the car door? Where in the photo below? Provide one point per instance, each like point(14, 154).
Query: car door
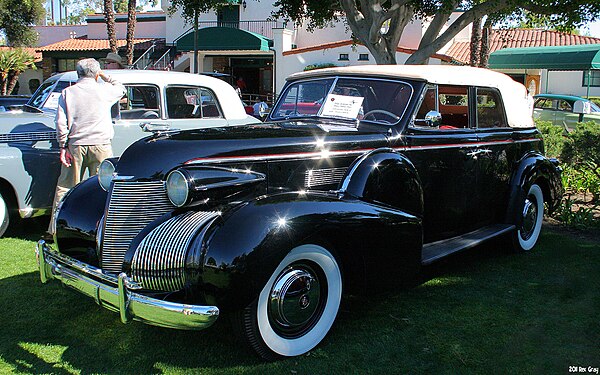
point(141, 104)
point(564, 110)
point(442, 156)
point(495, 154)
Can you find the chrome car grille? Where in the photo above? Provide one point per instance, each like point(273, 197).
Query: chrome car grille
point(28, 137)
point(132, 206)
point(322, 177)
point(159, 260)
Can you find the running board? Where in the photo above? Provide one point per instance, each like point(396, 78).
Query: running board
point(437, 250)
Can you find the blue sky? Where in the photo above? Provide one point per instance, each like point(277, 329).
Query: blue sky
point(593, 29)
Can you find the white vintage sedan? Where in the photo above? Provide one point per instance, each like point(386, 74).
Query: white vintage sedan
point(155, 101)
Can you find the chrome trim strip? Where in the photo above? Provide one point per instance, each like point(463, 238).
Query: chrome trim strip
point(115, 294)
point(328, 153)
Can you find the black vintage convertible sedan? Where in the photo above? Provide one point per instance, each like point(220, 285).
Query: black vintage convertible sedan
point(362, 175)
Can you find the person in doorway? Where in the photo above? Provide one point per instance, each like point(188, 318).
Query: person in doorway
point(241, 84)
point(84, 128)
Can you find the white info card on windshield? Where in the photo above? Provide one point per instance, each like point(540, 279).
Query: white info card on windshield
point(342, 106)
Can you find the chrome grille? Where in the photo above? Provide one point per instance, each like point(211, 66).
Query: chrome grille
point(159, 260)
point(28, 136)
point(322, 177)
point(132, 206)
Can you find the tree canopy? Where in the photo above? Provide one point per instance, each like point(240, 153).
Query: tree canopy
point(16, 19)
point(379, 24)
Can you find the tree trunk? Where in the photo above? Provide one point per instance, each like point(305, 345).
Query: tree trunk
point(12, 82)
point(109, 17)
point(131, 20)
point(475, 42)
point(4, 86)
point(196, 70)
point(485, 45)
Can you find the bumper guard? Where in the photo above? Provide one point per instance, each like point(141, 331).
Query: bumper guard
point(115, 293)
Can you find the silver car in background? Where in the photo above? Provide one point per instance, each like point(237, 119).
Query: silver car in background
point(155, 101)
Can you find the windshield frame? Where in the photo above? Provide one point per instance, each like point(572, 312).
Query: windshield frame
point(336, 78)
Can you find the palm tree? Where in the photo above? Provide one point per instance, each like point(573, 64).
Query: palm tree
point(13, 62)
point(131, 5)
point(109, 16)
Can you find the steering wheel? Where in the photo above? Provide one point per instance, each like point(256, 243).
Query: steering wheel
point(373, 112)
point(150, 114)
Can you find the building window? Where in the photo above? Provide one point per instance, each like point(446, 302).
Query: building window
point(594, 77)
point(65, 65)
point(344, 57)
point(363, 57)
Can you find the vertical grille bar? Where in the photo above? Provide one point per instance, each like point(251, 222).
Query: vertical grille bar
point(132, 206)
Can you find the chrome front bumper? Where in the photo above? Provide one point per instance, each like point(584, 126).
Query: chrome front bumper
point(115, 293)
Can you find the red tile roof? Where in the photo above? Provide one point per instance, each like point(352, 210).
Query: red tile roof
point(518, 38)
point(84, 44)
point(350, 42)
point(32, 51)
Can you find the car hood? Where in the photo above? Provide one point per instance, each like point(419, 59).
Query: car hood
point(22, 122)
point(152, 158)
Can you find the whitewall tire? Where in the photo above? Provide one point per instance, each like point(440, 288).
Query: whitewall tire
point(297, 306)
point(532, 214)
point(4, 216)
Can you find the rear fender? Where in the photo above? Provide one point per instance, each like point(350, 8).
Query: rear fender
point(242, 248)
point(534, 168)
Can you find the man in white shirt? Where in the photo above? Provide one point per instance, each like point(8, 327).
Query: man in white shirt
point(84, 126)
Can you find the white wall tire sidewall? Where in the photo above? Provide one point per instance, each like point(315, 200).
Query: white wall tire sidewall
point(4, 216)
point(528, 244)
point(293, 347)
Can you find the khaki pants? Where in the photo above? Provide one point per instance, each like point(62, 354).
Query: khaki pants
point(85, 158)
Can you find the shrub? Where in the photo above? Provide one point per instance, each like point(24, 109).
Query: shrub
point(319, 66)
point(581, 151)
point(554, 138)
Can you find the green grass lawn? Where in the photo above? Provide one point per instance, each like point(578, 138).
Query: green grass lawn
point(483, 311)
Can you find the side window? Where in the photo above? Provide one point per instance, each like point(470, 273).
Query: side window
point(452, 102)
point(563, 105)
point(490, 111)
point(543, 103)
point(192, 102)
point(139, 102)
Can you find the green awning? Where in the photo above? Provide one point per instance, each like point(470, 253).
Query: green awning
point(224, 38)
point(578, 57)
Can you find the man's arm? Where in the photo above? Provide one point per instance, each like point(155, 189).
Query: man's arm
point(61, 121)
point(116, 91)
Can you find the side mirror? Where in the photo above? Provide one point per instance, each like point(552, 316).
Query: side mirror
point(433, 118)
point(582, 107)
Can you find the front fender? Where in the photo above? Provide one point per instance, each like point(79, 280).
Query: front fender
point(534, 168)
point(242, 249)
point(387, 177)
point(77, 221)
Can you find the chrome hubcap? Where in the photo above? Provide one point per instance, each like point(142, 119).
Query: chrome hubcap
point(529, 219)
point(295, 301)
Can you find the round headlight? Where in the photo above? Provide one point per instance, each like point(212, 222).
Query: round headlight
point(177, 188)
point(105, 174)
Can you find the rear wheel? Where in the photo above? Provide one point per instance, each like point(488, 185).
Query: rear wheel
point(532, 214)
point(297, 306)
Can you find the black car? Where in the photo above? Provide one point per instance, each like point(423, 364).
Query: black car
point(362, 175)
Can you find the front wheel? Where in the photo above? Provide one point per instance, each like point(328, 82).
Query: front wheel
point(532, 214)
point(4, 216)
point(296, 307)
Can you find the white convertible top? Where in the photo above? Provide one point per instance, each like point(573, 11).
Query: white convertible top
point(515, 97)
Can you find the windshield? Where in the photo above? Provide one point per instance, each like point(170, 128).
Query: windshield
point(46, 96)
point(594, 107)
point(363, 99)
